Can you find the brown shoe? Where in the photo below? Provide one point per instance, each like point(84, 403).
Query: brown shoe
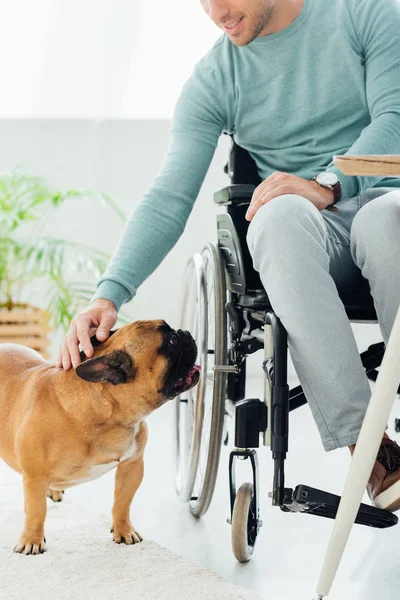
point(384, 484)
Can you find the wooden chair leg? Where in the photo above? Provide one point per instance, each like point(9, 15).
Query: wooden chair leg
point(364, 458)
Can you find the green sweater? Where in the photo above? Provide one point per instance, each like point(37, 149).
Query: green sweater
point(327, 84)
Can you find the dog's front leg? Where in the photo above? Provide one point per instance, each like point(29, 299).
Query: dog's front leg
point(128, 477)
point(32, 540)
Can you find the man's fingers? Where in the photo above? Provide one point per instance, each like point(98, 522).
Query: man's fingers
point(270, 183)
point(99, 319)
point(65, 350)
point(272, 192)
point(73, 348)
point(278, 191)
point(102, 334)
point(59, 358)
point(92, 330)
point(66, 359)
point(83, 334)
point(107, 321)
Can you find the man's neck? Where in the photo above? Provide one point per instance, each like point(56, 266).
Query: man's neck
point(284, 13)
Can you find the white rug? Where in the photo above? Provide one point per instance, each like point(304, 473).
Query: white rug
point(82, 561)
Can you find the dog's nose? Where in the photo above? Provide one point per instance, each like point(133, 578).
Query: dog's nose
point(186, 333)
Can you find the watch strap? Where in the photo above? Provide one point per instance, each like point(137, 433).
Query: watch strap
point(337, 194)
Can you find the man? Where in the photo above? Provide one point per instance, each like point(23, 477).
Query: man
point(295, 81)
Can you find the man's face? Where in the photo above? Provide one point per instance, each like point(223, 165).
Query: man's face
point(241, 20)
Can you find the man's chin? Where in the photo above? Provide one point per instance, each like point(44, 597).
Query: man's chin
point(241, 40)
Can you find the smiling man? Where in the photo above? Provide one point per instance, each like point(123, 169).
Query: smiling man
point(243, 22)
point(295, 82)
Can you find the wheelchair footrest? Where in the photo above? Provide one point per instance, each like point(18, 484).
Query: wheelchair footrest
point(323, 504)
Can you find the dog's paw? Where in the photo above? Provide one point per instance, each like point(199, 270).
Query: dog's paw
point(125, 533)
point(55, 495)
point(31, 545)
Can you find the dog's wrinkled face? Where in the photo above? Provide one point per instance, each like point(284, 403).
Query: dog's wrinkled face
point(149, 354)
point(180, 350)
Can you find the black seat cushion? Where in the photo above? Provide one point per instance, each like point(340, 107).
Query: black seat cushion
point(359, 305)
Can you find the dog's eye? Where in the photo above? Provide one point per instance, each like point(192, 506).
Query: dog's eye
point(174, 339)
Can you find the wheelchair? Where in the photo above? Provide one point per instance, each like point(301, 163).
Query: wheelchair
point(228, 312)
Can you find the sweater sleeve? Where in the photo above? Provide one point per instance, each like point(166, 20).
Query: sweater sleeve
point(377, 26)
point(160, 217)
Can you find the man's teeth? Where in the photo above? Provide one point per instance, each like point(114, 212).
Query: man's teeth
point(234, 24)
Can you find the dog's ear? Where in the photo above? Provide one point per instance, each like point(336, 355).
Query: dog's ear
point(115, 368)
point(95, 342)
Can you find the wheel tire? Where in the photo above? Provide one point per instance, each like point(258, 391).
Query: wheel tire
point(204, 491)
point(244, 523)
point(197, 450)
point(187, 430)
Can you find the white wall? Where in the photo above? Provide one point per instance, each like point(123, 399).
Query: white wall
point(98, 58)
point(121, 158)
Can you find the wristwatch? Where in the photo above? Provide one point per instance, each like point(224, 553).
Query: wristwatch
point(331, 181)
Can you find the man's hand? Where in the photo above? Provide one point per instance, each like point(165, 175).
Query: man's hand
point(283, 183)
point(100, 316)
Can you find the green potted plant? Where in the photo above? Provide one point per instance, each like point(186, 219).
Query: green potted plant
point(65, 270)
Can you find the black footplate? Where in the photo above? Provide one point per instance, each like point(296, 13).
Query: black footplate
point(323, 504)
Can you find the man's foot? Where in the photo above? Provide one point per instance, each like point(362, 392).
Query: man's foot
point(384, 484)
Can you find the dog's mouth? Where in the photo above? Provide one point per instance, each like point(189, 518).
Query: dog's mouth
point(188, 381)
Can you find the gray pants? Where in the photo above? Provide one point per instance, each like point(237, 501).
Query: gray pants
point(306, 258)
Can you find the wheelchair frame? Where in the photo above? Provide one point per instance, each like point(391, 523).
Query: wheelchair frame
point(253, 325)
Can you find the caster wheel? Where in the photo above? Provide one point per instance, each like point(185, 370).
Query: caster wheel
point(397, 425)
point(244, 523)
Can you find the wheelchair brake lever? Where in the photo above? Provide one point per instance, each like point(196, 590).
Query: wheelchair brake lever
point(237, 321)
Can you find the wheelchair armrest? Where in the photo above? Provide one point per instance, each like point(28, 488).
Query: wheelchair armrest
point(234, 194)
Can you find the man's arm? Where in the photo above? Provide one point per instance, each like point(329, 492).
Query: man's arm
point(161, 215)
point(377, 26)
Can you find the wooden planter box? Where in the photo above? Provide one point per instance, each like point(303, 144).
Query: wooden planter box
point(27, 325)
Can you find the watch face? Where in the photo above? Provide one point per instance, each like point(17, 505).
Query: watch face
point(327, 178)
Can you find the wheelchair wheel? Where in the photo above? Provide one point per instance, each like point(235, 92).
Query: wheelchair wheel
point(214, 391)
point(199, 432)
point(187, 433)
point(244, 523)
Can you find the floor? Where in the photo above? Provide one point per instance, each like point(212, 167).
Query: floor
point(290, 547)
